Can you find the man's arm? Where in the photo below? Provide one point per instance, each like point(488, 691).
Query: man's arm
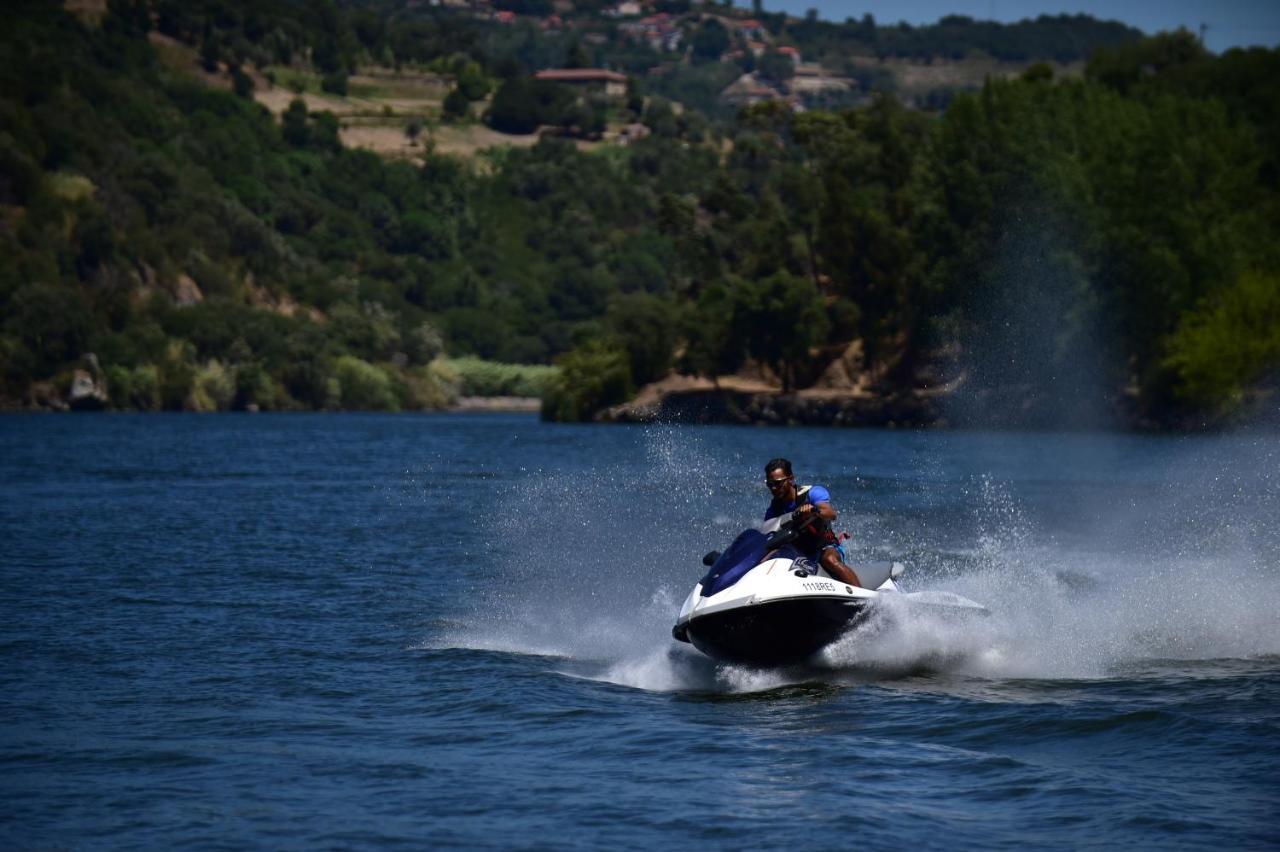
point(825, 511)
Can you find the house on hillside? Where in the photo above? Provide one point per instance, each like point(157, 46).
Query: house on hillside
point(751, 30)
point(625, 9)
point(813, 80)
point(631, 133)
point(611, 83)
point(658, 31)
point(750, 89)
point(792, 53)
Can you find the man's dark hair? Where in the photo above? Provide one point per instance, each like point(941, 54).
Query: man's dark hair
point(774, 464)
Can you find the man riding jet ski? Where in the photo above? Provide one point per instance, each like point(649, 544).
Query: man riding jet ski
point(816, 540)
point(767, 601)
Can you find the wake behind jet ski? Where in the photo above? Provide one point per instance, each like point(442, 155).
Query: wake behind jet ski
point(763, 603)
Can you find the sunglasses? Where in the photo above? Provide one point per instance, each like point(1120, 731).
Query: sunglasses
point(776, 483)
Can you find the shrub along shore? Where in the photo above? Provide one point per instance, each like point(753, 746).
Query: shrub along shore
point(354, 384)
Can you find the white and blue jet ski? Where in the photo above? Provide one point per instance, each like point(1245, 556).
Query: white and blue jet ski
point(763, 603)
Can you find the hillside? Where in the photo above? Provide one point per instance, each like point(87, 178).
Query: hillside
point(188, 198)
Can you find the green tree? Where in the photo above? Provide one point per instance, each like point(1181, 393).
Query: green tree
point(53, 322)
point(716, 330)
point(368, 331)
point(472, 82)
point(325, 129)
point(293, 123)
point(335, 82)
point(136, 388)
point(327, 58)
point(644, 326)
point(241, 83)
point(456, 104)
point(364, 386)
point(423, 343)
point(577, 57)
point(592, 377)
point(784, 319)
point(427, 234)
point(516, 107)
point(711, 40)
point(210, 51)
point(1230, 343)
point(776, 67)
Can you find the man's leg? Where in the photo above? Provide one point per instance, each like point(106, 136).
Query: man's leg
point(831, 562)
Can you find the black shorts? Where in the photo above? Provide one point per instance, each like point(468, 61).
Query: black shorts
point(817, 539)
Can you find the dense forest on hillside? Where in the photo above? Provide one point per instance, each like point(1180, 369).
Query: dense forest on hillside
point(1108, 239)
point(350, 34)
point(1062, 38)
point(338, 39)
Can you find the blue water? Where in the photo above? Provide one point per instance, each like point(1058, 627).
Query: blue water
point(300, 631)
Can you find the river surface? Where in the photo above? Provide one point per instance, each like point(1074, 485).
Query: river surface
point(453, 631)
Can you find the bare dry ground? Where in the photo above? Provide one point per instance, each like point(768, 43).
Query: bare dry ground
point(652, 394)
point(458, 140)
point(277, 99)
point(467, 139)
point(376, 113)
point(389, 85)
point(379, 108)
point(183, 58)
point(375, 92)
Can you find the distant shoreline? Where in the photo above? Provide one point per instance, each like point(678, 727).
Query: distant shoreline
point(496, 403)
point(466, 404)
point(736, 406)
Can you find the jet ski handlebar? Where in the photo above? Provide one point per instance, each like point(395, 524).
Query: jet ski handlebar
point(791, 530)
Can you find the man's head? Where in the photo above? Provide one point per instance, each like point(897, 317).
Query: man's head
point(778, 479)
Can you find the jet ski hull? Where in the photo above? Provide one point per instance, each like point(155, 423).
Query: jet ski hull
point(763, 603)
point(776, 632)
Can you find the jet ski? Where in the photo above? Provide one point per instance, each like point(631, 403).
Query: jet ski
point(763, 603)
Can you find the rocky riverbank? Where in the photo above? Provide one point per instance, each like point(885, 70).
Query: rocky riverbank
point(773, 408)
point(1005, 408)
